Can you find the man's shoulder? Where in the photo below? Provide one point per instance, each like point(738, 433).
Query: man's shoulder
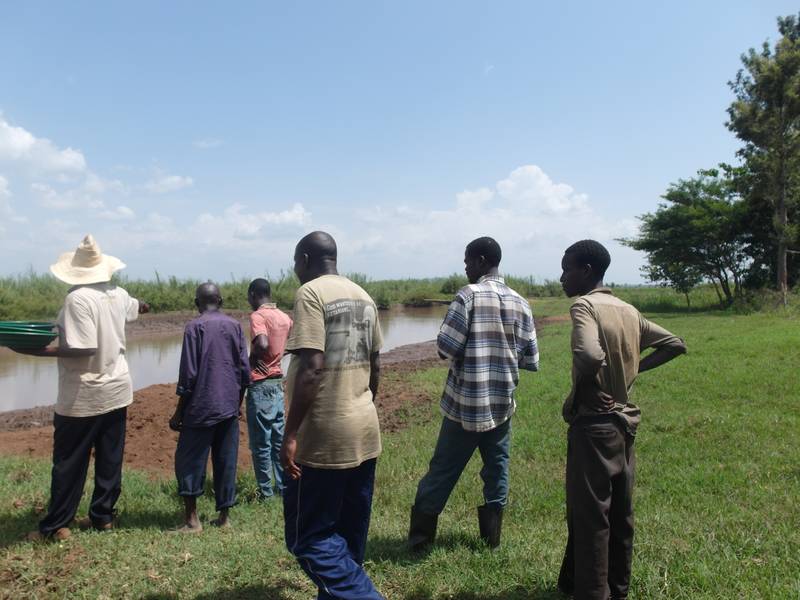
point(604, 296)
point(468, 292)
point(328, 288)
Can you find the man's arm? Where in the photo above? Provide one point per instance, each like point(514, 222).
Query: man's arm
point(529, 353)
point(77, 333)
point(176, 420)
point(659, 356)
point(187, 375)
point(667, 345)
point(452, 339)
point(56, 352)
point(306, 386)
point(374, 373)
point(260, 343)
point(588, 357)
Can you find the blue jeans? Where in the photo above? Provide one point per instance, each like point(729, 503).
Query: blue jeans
point(191, 457)
point(454, 448)
point(265, 428)
point(326, 518)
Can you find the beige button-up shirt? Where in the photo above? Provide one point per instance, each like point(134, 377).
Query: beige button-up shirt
point(608, 337)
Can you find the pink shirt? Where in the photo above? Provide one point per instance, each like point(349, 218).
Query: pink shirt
point(275, 324)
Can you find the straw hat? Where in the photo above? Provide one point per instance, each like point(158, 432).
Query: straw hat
point(86, 265)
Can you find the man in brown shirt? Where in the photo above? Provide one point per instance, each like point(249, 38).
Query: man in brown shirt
point(608, 336)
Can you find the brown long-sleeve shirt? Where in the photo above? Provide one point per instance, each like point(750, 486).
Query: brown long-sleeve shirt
point(608, 337)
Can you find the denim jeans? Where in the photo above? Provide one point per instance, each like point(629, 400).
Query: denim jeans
point(454, 448)
point(265, 428)
point(191, 458)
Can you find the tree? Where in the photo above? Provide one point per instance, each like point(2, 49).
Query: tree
point(766, 116)
point(697, 236)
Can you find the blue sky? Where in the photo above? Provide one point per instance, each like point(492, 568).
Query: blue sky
point(204, 140)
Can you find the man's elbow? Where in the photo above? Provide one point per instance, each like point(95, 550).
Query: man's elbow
point(678, 347)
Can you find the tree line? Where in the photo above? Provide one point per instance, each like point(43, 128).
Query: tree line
point(736, 226)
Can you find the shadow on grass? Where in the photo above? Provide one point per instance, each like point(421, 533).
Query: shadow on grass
point(14, 527)
point(150, 519)
point(396, 550)
point(517, 593)
point(248, 592)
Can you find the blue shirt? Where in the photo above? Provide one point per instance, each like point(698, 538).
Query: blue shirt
point(214, 369)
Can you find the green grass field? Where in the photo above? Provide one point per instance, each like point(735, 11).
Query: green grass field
point(717, 496)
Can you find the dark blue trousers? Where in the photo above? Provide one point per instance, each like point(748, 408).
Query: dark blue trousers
point(191, 457)
point(326, 517)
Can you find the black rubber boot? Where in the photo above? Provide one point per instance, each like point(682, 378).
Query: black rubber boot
point(422, 530)
point(490, 522)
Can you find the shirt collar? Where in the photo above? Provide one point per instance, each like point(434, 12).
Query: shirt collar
point(601, 290)
point(498, 278)
point(268, 305)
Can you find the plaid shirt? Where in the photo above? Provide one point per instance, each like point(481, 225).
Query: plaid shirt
point(488, 333)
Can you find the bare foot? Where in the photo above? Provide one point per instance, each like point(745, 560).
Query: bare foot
point(223, 523)
point(59, 535)
point(186, 528)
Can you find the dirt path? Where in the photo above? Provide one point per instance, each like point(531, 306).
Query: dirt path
point(150, 445)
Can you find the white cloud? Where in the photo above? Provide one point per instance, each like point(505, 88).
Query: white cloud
point(164, 184)
point(207, 143)
point(39, 155)
point(7, 212)
point(245, 226)
point(120, 213)
point(533, 218)
point(65, 199)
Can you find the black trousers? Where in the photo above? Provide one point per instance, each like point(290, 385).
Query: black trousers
point(74, 439)
point(600, 473)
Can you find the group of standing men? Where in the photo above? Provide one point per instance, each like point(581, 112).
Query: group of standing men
point(323, 459)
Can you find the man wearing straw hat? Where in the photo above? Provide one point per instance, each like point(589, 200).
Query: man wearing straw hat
point(94, 389)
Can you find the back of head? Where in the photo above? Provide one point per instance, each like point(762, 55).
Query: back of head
point(207, 296)
point(591, 252)
point(259, 288)
point(319, 246)
point(486, 247)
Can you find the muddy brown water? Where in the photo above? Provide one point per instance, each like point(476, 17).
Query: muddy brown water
point(153, 356)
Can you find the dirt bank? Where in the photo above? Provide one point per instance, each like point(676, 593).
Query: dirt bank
point(150, 445)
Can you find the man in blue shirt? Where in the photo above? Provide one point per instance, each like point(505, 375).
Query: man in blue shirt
point(488, 335)
point(214, 375)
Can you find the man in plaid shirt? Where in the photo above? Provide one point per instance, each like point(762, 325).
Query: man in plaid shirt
point(488, 335)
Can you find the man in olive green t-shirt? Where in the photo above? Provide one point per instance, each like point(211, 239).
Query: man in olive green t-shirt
point(608, 338)
point(332, 437)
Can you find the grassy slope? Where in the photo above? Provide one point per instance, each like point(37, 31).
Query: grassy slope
point(717, 497)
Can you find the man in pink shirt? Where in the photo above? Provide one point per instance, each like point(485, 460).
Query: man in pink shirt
point(269, 330)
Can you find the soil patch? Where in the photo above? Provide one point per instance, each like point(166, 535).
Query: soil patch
point(150, 444)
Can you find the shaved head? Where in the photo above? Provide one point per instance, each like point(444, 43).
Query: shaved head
point(315, 255)
point(318, 245)
point(207, 297)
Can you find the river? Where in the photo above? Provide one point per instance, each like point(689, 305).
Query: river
point(27, 381)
